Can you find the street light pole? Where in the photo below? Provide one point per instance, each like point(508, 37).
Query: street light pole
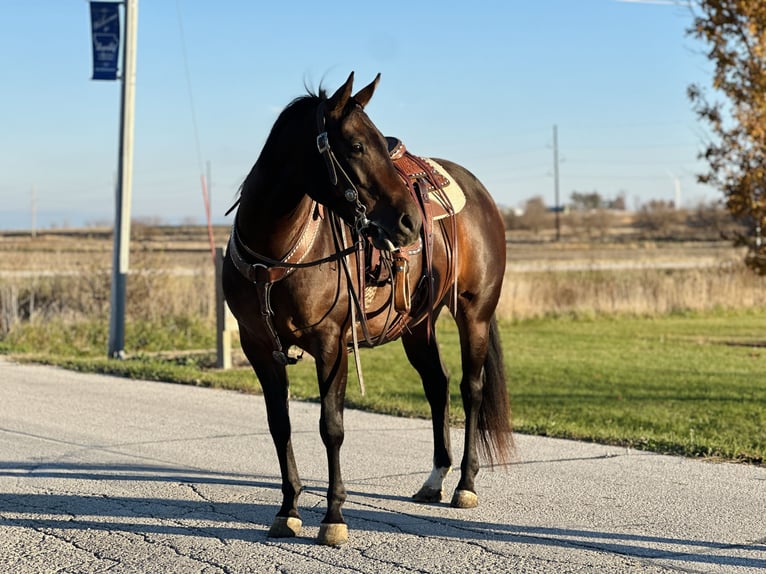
point(120, 259)
point(556, 180)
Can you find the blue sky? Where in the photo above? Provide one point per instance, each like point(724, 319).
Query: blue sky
point(481, 83)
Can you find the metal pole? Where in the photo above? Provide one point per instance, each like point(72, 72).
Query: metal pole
point(34, 212)
point(120, 260)
point(223, 334)
point(556, 179)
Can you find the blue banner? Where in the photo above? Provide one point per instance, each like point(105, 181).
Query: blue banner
point(105, 27)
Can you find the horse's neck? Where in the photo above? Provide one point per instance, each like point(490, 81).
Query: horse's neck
point(270, 225)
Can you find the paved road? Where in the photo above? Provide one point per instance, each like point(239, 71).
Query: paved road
point(103, 474)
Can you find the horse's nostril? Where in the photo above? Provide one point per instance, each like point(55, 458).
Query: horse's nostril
point(407, 223)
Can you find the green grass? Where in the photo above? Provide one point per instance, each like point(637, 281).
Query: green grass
point(87, 338)
point(691, 384)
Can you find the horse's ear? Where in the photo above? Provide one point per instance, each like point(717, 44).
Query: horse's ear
point(364, 95)
point(338, 101)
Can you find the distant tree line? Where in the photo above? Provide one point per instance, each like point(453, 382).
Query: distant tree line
point(590, 216)
point(589, 201)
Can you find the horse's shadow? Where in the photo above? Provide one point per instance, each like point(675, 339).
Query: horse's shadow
point(203, 515)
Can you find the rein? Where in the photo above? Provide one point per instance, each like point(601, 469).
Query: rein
point(266, 271)
point(277, 269)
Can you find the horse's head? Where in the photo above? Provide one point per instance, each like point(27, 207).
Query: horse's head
point(365, 188)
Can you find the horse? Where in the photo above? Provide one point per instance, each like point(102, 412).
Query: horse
point(322, 196)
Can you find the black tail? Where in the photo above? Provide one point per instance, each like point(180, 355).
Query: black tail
point(496, 438)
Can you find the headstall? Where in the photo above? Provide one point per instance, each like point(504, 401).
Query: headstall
point(351, 194)
point(267, 271)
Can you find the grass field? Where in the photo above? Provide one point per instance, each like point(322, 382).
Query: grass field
point(658, 355)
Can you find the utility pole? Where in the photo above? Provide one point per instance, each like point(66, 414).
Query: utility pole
point(556, 179)
point(34, 212)
point(120, 259)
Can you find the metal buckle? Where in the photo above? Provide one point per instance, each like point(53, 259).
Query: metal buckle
point(323, 143)
point(253, 271)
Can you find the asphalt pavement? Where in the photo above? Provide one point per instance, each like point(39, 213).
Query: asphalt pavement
point(102, 474)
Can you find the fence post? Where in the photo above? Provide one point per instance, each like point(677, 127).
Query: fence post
point(9, 308)
point(223, 333)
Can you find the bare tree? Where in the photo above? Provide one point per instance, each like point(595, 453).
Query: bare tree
point(535, 216)
point(658, 217)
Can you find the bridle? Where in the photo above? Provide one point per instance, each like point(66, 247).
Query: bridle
point(351, 194)
point(282, 267)
point(267, 271)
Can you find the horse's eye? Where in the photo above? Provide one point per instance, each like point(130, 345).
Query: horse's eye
point(357, 147)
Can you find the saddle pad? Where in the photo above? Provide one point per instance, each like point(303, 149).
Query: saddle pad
point(452, 191)
point(449, 201)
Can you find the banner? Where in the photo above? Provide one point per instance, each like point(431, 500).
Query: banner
point(105, 28)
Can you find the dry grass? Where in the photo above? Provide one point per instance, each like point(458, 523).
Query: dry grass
point(67, 275)
point(636, 278)
point(632, 291)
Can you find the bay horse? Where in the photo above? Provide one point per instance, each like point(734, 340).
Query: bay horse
point(322, 196)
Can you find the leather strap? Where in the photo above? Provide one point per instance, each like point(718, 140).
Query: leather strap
point(266, 271)
point(323, 145)
point(401, 285)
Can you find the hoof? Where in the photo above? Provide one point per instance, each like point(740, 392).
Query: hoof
point(332, 534)
point(285, 527)
point(428, 494)
point(465, 499)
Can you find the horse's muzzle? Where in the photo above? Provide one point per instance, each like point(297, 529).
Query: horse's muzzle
point(379, 237)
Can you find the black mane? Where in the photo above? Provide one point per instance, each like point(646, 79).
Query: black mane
point(291, 119)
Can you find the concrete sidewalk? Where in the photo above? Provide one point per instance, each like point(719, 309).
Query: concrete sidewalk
point(104, 474)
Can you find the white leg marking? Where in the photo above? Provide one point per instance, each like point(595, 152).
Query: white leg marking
point(436, 480)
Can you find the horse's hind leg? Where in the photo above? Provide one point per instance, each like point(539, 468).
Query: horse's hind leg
point(474, 338)
point(485, 399)
point(423, 353)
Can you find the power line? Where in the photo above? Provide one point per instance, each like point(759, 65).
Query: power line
point(203, 180)
point(189, 91)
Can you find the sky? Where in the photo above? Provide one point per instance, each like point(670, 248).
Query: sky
point(481, 83)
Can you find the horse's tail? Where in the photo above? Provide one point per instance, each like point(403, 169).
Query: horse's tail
point(496, 438)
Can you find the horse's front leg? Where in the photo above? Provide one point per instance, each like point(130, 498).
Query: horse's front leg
point(274, 383)
point(273, 379)
point(332, 371)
